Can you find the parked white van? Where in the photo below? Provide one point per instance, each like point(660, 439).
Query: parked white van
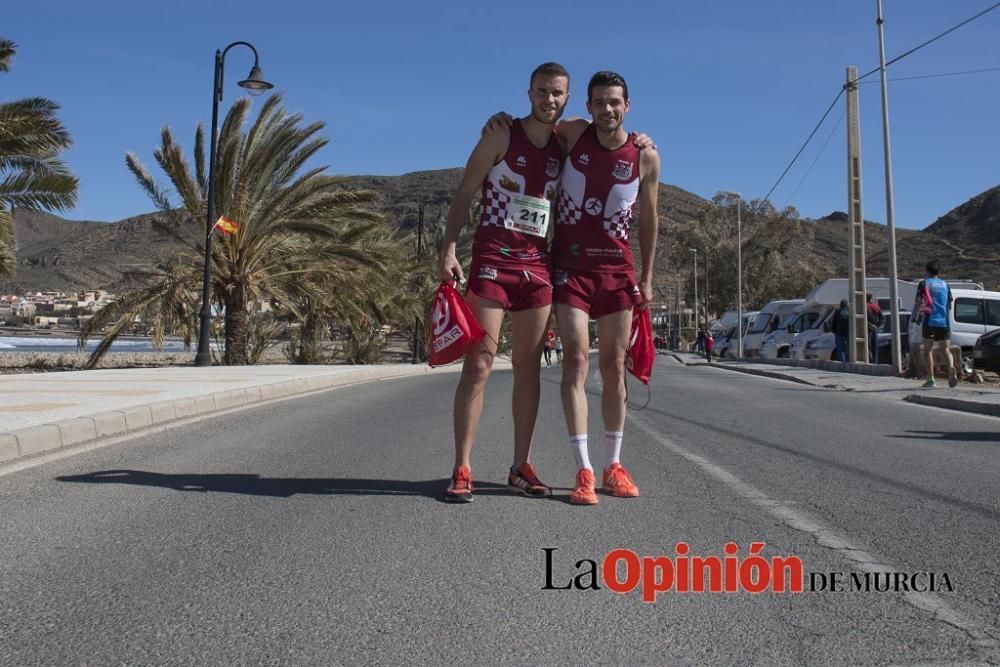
point(778, 345)
point(772, 317)
point(728, 345)
point(973, 313)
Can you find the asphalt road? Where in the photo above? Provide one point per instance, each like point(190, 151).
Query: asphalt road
point(310, 532)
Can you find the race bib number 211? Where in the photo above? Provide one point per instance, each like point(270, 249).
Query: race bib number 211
point(528, 215)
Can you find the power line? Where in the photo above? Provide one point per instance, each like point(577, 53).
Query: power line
point(805, 143)
point(816, 159)
point(931, 40)
point(935, 76)
point(863, 76)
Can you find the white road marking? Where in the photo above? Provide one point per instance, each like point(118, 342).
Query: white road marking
point(792, 517)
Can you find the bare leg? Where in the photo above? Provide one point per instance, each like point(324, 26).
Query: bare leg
point(475, 373)
point(613, 331)
point(528, 332)
point(945, 347)
point(576, 350)
point(929, 356)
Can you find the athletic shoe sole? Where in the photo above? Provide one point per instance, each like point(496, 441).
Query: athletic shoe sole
point(458, 499)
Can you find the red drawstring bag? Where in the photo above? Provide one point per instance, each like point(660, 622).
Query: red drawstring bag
point(641, 353)
point(453, 327)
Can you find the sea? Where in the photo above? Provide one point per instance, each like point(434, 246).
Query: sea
point(62, 344)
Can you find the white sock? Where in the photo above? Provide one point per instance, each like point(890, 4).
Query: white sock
point(579, 445)
point(612, 448)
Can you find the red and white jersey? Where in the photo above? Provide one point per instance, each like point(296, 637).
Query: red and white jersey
point(596, 204)
point(525, 170)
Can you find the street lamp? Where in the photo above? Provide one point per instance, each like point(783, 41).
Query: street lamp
point(696, 325)
point(420, 248)
point(255, 84)
point(739, 276)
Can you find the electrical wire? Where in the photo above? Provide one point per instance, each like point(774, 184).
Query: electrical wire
point(866, 75)
point(818, 156)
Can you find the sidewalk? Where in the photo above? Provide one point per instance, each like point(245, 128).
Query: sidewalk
point(42, 412)
point(965, 397)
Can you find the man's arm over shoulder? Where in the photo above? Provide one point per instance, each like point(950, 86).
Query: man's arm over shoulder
point(488, 151)
point(649, 186)
point(570, 130)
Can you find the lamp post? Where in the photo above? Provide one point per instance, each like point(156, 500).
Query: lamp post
point(695, 251)
point(255, 84)
point(739, 275)
point(420, 249)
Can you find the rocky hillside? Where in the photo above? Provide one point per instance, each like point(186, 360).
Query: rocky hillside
point(54, 253)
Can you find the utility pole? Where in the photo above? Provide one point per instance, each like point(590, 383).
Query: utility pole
point(893, 282)
point(856, 287)
point(420, 248)
point(696, 326)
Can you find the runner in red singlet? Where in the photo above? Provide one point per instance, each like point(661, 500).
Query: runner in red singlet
point(604, 176)
point(516, 173)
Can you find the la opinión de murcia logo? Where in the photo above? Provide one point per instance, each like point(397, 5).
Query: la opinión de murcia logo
point(623, 571)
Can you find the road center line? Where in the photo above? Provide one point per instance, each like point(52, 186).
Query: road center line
point(792, 517)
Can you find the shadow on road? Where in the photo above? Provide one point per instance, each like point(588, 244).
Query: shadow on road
point(281, 487)
point(953, 436)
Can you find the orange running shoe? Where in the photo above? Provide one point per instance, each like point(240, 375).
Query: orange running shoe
point(460, 489)
point(584, 493)
point(524, 480)
point(618, 482)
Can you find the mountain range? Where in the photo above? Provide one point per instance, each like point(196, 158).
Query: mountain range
point(58, 254)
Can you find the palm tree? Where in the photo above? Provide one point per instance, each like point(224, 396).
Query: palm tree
point(285, 215)
point(31, 174)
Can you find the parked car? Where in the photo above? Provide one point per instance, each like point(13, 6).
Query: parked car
point(798, 348)
point(973, 313)
point(820, 347)
point(986, 352)
point(885, 337)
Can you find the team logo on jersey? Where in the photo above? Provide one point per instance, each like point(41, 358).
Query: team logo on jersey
point(521, 161)
point(593, 206)
point(584, 159)
point(623, 170)
point(552, 167)
point(487, 273)
point(574, 249)
point(509, 185)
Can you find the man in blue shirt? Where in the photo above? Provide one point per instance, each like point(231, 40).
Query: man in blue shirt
point(934, 305)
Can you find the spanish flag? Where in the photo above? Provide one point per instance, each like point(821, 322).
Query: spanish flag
point(226, 226)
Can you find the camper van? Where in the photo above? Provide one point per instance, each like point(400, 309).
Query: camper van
point(973, 313)
point(727, 344)
point(772, 317)
point(807, 342)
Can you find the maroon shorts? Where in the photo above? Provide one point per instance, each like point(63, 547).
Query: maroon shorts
point(598, 294)
point(514, 289)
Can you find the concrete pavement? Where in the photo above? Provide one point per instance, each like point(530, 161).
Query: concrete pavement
point(42, 412)
point(965, 397)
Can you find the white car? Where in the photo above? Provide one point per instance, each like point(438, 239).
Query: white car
point(820, 347)
point(973, 313)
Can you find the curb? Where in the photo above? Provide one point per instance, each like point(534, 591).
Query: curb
point(754, 371)
point(36, 440)
point(975, 407)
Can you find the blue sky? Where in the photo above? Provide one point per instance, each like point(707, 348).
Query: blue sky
point(729, 89)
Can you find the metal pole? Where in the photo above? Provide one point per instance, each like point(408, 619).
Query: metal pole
point(204, 355)
point(695, 251)
point(420, 247)
point(893, 286)
point(739, 278)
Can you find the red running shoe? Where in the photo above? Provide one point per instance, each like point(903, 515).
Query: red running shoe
point(584, 493)
point(460, 489)
point(619, 483)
